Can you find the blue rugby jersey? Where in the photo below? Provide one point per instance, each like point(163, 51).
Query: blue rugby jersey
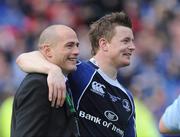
point(105, 108)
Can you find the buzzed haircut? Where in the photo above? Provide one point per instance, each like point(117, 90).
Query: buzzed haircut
point(104, 28)
point(49, 36)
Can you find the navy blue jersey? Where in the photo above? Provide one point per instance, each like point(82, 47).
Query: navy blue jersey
point(105, 108)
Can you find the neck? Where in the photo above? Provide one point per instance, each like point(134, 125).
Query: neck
point(106, 66)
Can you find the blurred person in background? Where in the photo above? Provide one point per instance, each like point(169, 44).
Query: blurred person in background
point(32, 112)
point(5, 117)
point(105, 107)
point(170, 120)
point(6, 98)
point(6, 83)
point(145, 120)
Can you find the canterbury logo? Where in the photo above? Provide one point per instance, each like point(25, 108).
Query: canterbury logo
point(98, 88)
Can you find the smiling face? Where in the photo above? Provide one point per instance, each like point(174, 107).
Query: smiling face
point(65, 53)
point(121, 46)
point(59, 45)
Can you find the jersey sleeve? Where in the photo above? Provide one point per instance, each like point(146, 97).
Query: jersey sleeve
point(171, 117)
point(131, 128)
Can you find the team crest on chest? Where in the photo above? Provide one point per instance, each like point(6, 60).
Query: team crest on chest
point(98, 88)
point(126, 105)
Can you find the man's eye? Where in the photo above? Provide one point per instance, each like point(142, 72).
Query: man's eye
point(69, 46)
point(125, 41)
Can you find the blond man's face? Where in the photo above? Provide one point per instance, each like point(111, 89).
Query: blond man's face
point(121, 46)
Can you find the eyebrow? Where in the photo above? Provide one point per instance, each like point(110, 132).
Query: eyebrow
point(127, 38)
point(76, 43)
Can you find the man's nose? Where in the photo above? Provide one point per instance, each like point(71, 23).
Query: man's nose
point(132, 46)
point(76, 50)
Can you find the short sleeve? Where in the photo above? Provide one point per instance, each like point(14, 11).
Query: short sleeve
point(171, 117)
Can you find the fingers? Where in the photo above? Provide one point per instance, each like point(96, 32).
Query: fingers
point(50, 91)
point(63, 96)
point(57, 94)
point(58, 99)
point(54, 96)
point(57, 87)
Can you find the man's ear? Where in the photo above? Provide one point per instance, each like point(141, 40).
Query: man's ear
point(47, 51)
point(103, 44)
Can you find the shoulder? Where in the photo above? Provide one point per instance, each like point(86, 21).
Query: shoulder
point(82, 63)
point(84, 67)
point(32, 82)
point(35, 78)
point(175, 106)
point(33, 88)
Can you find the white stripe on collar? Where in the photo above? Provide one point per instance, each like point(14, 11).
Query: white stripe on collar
point(113, 82)
point(107, 78)
point(92, 60)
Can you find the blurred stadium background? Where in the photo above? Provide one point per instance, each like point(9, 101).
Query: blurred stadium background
point(153, 76)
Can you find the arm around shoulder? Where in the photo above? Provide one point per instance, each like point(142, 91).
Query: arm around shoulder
point(34, 62)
